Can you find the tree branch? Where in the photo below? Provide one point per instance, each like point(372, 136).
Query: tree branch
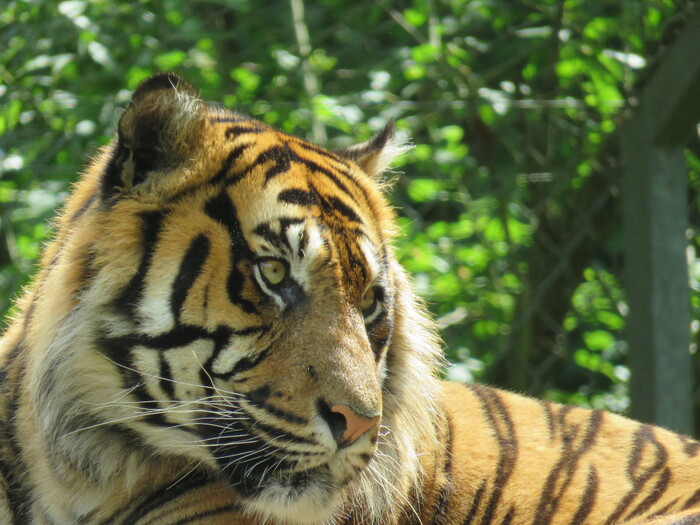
point(311, 83)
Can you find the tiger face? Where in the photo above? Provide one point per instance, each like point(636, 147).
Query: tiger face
point(234, 309)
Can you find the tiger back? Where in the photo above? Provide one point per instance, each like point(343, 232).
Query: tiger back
point(220, 332)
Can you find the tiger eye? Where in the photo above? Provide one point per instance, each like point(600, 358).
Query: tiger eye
point(368, 299)
point(273, 271)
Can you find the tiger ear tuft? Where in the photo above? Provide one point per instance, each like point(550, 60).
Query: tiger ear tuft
point(376, 154)
point(157, 130)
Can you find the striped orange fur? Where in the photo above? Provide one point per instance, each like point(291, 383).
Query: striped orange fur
point(220, 333)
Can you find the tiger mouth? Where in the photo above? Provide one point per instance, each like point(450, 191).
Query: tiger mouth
point(308, 496)
point(287, 463)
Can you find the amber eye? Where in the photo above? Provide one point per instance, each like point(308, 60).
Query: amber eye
point(368, 300)
point(273, 271)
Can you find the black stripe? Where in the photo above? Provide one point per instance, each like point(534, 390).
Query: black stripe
point(275, 411)
point(666, 508)
point(474, 508)
point(280, 438)
point(278, 240)
point(16, 494)
point(440, 513)
point(690, 446)
point(128, 300)
point(566, 468)
point(221, 209)
point(233, 156)
point(345, 210)
point(282, 157)
point(549, 416)
point(644, 437)
point(504, 430)
point(117, 348)
point(253, 127)
point(230, 118)
point(323, 152)
point(182, 335)
point(190, 269)
point(83, 207)
point(508, 518)
point(333, 177)
point(134, 383)
point(166, 377)
point(120, 350)
point(199, 517)
point(281, 239)
point(160, 497)
point(654, 495)
point(692, 500)
point(111, 177)
point(242, 365)
point(245, 462)
point(297, 196)
point(588, 499)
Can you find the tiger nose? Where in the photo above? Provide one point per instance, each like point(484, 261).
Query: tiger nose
point(347, 425)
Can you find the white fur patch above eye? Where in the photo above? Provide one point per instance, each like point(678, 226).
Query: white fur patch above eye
point(307, 243)
point(314, 242)
point(296, 234)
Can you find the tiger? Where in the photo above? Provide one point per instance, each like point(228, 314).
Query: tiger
point(220, 332)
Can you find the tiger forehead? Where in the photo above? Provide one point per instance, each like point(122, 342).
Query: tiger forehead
point(275, 171)
point(297, 201)
point(255, 146)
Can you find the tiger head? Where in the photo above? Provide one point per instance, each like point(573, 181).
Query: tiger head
point(221, 295)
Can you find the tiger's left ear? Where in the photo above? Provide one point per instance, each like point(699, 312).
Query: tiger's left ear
point(376, 154)
point(157, 131)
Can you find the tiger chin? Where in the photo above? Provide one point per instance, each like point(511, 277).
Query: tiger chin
point(220, 333)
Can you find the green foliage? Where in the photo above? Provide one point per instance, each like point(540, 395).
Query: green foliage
point(510, 106)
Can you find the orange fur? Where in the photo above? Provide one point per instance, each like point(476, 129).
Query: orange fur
point(156, 373)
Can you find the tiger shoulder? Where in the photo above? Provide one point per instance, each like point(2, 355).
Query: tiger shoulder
point(219, 332)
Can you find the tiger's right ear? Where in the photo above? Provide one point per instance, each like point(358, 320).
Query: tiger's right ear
point(156, 132)
point(376, 154)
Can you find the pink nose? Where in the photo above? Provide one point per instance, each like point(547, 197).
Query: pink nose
point(355, 424)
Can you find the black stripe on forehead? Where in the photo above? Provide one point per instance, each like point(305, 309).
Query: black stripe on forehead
point(231, 158)
point(339, 206)
point(282, 156)
point(278, 239)
point(329, 205)
point(228, 118)
point(221, 209)
point(323, 152)
point(297, 196)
